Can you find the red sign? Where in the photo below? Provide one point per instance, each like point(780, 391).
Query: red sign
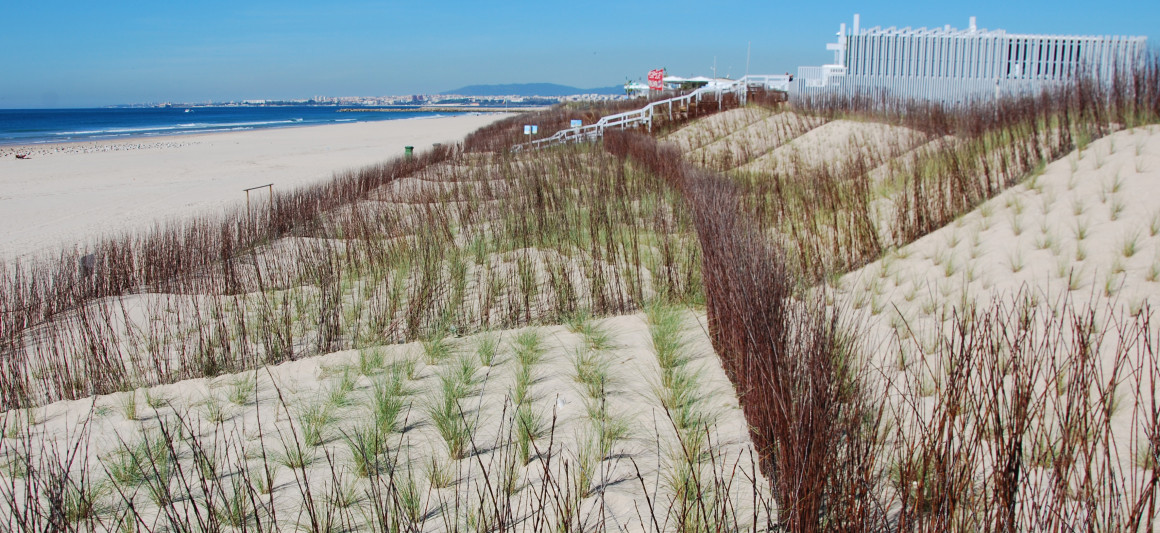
point(656, 79)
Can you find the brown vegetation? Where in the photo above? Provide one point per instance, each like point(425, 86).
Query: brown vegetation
point(1014, 430)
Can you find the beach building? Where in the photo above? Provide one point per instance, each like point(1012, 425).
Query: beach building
point(954, 66)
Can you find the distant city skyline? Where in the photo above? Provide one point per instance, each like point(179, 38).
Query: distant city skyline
point(82, 54)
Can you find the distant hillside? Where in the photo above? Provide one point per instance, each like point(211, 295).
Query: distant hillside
point(531, 89)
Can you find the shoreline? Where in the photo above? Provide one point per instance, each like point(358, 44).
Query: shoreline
point(71, 193)
point(445, 109)
point(9, 149)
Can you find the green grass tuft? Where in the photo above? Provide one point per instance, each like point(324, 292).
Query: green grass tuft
point(591, 371)
point(529, 347)
point(529, 427)
point(242, 389)
point(314, 422)
point(447, 413)
point(437, 350)
point(487, 349)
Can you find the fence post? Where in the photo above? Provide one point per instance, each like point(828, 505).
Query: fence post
point(268, 186)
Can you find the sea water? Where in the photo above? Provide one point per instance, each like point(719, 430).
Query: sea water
point(36, 126)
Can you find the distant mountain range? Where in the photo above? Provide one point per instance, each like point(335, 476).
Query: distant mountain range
point(531, 89)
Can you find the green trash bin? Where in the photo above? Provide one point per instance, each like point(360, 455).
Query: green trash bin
point(408, 151)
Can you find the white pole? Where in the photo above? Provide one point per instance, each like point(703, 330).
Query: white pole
point(748, 49)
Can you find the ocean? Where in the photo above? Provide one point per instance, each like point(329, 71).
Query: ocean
point(37, 126)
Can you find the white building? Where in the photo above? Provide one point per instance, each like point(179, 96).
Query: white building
point(954, 66)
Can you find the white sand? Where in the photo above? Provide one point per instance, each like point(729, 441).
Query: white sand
point(651, 447)
point(1083, 235)
point(834, 143)
point(1087, 229)
point(716, 126)
point(755, 140)
point(69, 193)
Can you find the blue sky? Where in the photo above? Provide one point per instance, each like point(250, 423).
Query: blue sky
point(84, 53)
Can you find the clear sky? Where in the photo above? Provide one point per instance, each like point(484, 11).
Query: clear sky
point(70, 53)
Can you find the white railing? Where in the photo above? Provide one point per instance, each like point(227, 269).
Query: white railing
point(777, 82)
point(644, 115)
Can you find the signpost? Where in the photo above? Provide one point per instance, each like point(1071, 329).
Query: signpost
point(269, 186)
point(656, 79)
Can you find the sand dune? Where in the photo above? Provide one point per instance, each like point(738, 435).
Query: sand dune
point(834, 141)
point(1087, 229)
point(273, 407)
point(618, 417)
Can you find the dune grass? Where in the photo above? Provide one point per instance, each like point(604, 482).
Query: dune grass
point(998, 430)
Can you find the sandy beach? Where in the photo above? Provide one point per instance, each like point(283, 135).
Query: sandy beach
point(69, 193)
point(468, 344)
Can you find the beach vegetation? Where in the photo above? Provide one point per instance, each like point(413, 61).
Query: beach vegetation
point(726, 263)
